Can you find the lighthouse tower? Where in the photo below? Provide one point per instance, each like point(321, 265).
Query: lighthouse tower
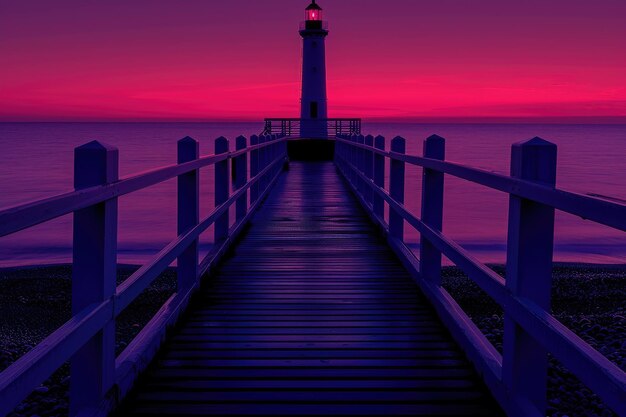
point(314, 107)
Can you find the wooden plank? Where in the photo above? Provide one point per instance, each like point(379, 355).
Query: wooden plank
point(309, 353)
point(282, 373)
point(457, 409)
point(338, 396)
point(328, 384)
point(316, 345)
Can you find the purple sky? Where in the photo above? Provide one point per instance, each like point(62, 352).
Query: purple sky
point(236, 59)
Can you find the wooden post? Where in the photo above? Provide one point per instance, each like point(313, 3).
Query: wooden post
point(379, 177)
point(267, 160)
point(359, 164)
point(283, 154)
point(188, 212)
point(369, 167)
point(273, 155)
point(242, 179)
point(262, 163)
point(343, 153)
point(254, 169)
point(338, 149)
point(396, 188)
point(529, 270)
point(270, 157)
point(353, 159)
point(221, 189)
point(432, 209)
point(94, 272)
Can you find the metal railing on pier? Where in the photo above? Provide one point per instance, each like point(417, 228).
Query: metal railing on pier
point(291, 127)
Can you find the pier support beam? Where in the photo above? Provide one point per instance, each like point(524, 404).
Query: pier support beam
point(529, 271)
point(94, 275)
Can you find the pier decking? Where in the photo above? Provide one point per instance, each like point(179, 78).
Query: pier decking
point(312, 315)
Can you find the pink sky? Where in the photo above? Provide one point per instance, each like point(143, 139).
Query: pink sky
point(240, 59)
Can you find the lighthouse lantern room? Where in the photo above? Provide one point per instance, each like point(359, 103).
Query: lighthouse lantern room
point(313, 13)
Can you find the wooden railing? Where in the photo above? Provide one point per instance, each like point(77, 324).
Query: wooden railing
point(98, 378)
point(518, 377)
point(291, 127)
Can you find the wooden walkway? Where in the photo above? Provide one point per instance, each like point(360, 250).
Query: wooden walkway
point(312, 315)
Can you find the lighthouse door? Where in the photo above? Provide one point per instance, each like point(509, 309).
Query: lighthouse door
point(314, 110)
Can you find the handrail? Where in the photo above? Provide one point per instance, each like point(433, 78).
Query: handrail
point(139, 281)
point(608, 213)
point(23, 216)
point(362, 162)
point(267, 155)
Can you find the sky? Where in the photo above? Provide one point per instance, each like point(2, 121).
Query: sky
point(197, 60)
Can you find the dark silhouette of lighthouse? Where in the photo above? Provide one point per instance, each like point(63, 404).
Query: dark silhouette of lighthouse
point(314, 103)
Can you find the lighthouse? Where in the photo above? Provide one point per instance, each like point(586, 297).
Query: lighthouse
point(314, 106)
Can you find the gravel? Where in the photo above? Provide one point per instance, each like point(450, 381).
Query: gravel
point(36, 301)
point(589, 299)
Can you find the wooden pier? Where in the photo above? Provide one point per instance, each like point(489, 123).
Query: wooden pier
point(310, 301)
point(312, 314)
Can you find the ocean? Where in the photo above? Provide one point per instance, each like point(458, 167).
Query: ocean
point(37, 162)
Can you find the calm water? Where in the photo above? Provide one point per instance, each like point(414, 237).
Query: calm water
point(37, 162)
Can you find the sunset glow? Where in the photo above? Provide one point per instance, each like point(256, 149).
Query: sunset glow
point(399, 59)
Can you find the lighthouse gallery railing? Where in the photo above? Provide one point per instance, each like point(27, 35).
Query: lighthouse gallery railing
point(291, 126)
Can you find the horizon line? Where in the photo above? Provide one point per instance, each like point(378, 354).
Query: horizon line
point(614, 120)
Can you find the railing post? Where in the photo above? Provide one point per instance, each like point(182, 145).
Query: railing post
point(369, 167)
point(353, 159)
point(379, 178)
point(343, 153)
point(273, 156)
point(94, 270)
point(268, 159)
point(283, 154)
point(338, 148)
point(432, 209)
point(529, 271)
point(188, 212)
point(242, 177)
point(254, 169)
point(262, 163)
point(396, 188)
point(221, 189)
point(360, 163)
